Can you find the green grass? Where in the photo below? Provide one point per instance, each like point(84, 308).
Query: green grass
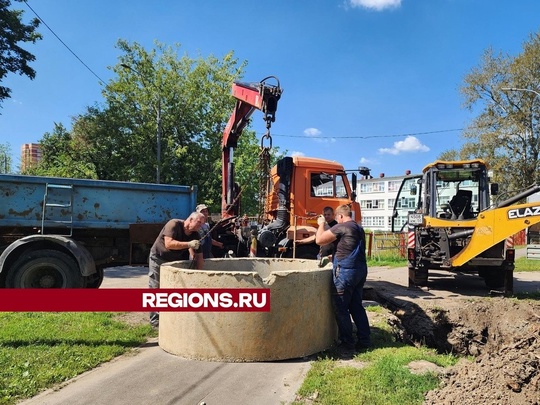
point(524, 264)
point(387, 259)
point(40, 350)
point(379, 376)
point(394, 260)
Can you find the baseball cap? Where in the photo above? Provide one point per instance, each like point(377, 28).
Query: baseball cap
point(201, 207)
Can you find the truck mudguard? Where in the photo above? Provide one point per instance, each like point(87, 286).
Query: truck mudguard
point(80, 253)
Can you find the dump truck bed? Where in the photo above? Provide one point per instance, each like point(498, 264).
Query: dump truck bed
point(89, 204)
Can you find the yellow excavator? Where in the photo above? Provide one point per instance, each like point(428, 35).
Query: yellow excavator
point(454, 224)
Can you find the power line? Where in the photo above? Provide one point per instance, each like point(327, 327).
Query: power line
point(284, 136)
point(370, 136)
point(63, 43)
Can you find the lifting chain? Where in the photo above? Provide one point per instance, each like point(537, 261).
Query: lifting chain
point(264, 172)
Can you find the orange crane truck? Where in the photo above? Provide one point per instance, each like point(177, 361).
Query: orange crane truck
point(298, 187)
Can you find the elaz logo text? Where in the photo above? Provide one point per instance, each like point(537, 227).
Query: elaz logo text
point(524, 212)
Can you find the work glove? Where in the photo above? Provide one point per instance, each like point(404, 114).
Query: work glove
point(321, 220)
point(324, 261)
point(194, 244)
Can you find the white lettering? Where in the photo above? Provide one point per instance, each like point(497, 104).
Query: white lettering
point(211, 301)
point(175, 300)
point(244, 300)
point(226, 300)
point(524, 212)
point(161, 300)
point(194, 300)
point(261, 303)
point(148, 300)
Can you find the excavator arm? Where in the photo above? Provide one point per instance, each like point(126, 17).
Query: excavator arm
point(494, 226)
point(249, 97)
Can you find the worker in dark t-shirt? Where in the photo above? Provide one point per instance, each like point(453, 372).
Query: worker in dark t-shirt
point(349, 276)
point(178, 240)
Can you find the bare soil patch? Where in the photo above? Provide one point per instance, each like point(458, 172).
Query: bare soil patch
point(133, 318)
point(502, 335)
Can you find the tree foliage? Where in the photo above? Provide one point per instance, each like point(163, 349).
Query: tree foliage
point(182, 101)
point(506, 132)
point(63, 156)
point(5, 158)
point(13, 58)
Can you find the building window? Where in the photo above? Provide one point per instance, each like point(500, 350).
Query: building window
point(366, 187)
point(372, 204)
point(394, 185)
point(378, 187)
point(374, 222)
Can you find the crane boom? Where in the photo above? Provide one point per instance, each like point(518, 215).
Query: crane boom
point(249, 97)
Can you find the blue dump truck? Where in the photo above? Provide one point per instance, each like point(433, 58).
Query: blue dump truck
point(62, 232)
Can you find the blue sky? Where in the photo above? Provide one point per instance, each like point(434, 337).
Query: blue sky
point(366, 82)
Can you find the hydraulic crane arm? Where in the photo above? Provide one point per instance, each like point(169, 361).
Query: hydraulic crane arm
point(249, 97)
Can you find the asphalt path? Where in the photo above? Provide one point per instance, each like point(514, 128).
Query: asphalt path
point(149, 375)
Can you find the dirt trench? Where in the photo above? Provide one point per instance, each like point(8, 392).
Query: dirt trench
point(502, 335)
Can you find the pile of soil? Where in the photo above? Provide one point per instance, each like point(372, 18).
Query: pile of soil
point(504, 335)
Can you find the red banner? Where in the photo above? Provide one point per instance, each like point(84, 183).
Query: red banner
point(135, 300)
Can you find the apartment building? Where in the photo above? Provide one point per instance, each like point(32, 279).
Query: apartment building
point(30, 155)
point(377, 196)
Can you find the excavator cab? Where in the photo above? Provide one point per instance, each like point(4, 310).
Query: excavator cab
point(448, 191)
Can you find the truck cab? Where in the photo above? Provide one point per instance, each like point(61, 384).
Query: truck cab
point(307, 186)
point(300, 188)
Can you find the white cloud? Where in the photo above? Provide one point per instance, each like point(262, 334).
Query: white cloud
point(296, 153)
point(315, 134)
point(411, 144)
point(366, 161)
point(375, 4)
point(312, 132)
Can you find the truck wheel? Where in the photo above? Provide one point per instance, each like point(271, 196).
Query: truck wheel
point(417, 277)
point(96, 279)
point(45, 269)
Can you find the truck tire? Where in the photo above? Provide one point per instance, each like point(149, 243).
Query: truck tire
point(45, 269)
point(95, 280)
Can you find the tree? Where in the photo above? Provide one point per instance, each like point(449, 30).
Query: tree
point(62, 156)
point(5, 158)
point(506, 133)
point(163, 114)
point(13, 58)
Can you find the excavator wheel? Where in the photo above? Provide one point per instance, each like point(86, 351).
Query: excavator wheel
point(417, 277)
point(493, 277)
point(499, 278)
